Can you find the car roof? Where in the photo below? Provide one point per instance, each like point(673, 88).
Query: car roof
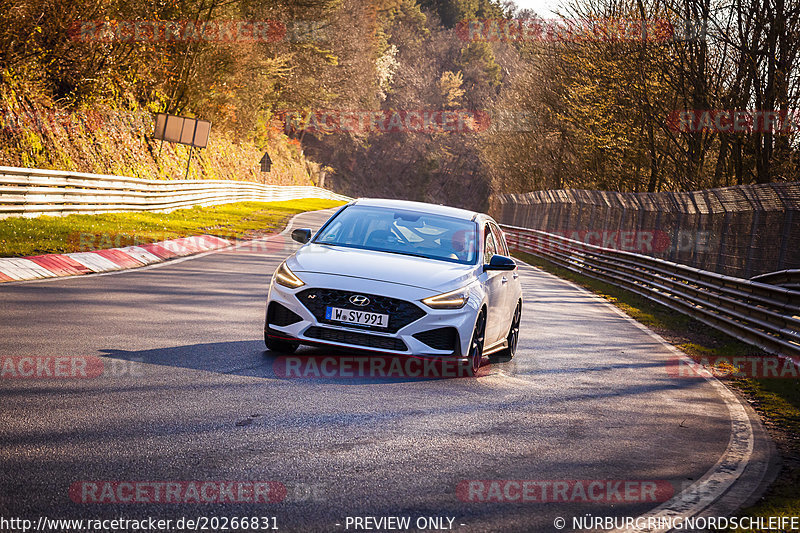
point(436, 209)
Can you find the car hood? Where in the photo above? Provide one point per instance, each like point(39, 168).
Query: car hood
point(381, 266)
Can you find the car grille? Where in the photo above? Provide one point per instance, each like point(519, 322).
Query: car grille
point(358, 339)
point(439, 338)
point(401, 313)
point(280, 315)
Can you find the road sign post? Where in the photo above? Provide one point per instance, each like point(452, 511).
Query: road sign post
point(183, 130)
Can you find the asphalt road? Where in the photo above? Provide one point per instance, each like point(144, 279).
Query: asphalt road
point(194, 395)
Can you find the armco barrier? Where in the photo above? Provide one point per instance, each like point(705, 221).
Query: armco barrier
point(33, 192)
point(785, 278)
point(764, 315)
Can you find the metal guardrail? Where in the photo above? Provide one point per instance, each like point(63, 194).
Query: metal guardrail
point(33, 192)
point(761, 314)
point(785, 278)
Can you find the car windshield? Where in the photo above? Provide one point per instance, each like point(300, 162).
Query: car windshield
point(402, 232)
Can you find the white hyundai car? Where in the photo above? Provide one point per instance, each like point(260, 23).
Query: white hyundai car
point(400, 278)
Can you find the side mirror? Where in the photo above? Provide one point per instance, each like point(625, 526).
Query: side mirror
point(301, 235)
point(500, 262)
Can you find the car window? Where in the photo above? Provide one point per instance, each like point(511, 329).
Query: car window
point(499, 239)
point(403, 232)
point(490, 248)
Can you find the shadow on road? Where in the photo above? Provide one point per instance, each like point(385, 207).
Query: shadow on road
point(250, 358)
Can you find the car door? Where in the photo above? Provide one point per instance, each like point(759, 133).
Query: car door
point(509, 280)
point(496, 290)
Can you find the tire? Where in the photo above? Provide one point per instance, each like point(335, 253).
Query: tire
point(476, 344)
point(507, 354)
point(277, 345)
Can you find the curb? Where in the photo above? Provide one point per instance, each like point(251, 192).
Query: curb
point(97, 261)
point(117, 260)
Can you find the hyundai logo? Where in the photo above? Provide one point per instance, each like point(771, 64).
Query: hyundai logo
point(359, 300)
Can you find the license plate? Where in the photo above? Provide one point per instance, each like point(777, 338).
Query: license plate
point(351, 316)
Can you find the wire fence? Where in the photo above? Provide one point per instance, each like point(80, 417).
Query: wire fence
point(738, 231)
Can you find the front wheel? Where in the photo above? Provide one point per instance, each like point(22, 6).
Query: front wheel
point(507, 353)
point(476, 345)
point(277, 345)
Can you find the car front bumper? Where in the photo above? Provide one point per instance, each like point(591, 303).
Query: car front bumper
point(406, 340)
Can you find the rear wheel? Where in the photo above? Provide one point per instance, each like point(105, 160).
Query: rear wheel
point(476, 345)
point(278, 345)
point(507, 354)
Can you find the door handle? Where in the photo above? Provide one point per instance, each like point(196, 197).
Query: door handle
point(504, 280)
point(515, 275)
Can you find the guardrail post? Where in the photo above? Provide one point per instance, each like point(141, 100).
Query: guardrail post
point(26, 195)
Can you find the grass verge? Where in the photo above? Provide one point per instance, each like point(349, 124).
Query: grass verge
point(76, 233)
point(777, 401)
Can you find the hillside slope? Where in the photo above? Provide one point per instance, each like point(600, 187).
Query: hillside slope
point(116, 139)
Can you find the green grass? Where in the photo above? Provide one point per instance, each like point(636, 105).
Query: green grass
point(777, 401)
point(75, 233)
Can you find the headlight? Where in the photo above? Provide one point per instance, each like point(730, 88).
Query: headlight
point(286, 277)
point(449, 300)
